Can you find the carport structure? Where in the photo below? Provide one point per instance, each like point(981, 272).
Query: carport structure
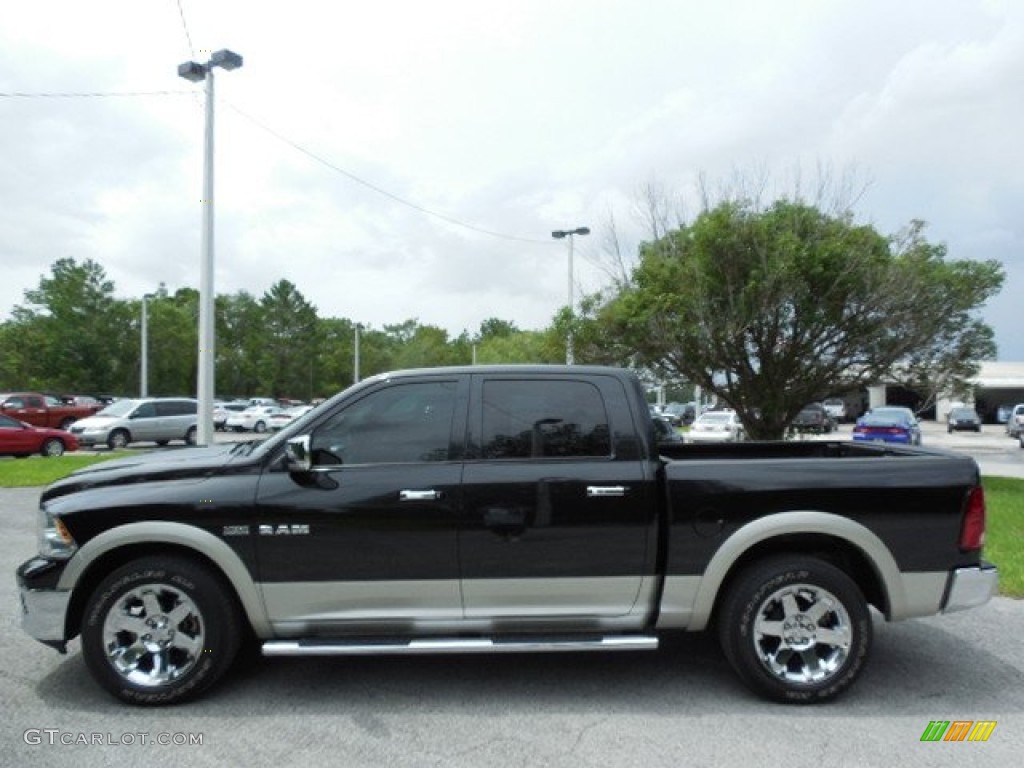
point(997, 383)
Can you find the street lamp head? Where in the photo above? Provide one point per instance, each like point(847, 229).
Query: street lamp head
point(226, 59)
point(192, 71)
point(558, 234)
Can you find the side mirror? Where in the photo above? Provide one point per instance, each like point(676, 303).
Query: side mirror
point(297, 453)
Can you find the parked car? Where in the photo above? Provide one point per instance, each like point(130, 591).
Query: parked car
point(152, 419)
point(41, 410)
point(20, 439)
point(815, 419)
point(285, 416)
point(1003, 413)
point(255, 418)
point(716, 427)
point(664, 432)
point(888, 424)
point(222, 411)
point(963, 419)
point(1015, 421)
point(680, 414)
point(835, 407)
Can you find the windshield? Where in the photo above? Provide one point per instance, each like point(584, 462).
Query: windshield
point(884, 418)
point(118, 408)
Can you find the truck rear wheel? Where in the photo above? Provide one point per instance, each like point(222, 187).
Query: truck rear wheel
point(159, 630)
point(795, 629)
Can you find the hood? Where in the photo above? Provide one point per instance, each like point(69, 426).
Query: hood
point(184, 464)
point(96, 420)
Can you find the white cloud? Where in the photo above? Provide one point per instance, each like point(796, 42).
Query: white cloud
point(516, 116)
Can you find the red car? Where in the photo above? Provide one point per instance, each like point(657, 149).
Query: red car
point(20, 439)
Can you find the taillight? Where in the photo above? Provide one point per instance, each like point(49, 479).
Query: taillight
point(972, 533)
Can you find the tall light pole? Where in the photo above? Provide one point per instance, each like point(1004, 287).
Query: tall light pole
point(144, 368)
point(195, 72)
point(558, 234)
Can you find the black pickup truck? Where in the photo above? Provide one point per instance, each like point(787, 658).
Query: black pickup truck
point(499, 509)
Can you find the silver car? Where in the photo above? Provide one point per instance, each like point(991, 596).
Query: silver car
point(154, 419)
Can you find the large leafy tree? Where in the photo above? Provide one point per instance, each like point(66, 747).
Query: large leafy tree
point(772, 308)
point(173, 335)
point(72, 333)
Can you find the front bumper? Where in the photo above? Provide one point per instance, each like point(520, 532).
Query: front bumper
point(92, 438)
point(971, 587)
point(44, 608)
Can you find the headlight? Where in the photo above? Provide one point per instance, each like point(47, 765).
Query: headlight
point(55, 540)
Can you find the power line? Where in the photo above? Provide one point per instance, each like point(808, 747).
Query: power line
point(379, 190)
point(90, 95)
point(294, 145)
point(181, 12)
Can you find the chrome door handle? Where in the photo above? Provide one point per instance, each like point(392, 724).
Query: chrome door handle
point(601, 491)
point(419, 495)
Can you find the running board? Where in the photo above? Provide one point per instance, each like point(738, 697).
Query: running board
point(358, 647)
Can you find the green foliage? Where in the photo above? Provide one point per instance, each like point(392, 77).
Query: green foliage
point(70, 334)
point(771, 309)
point(1004, 498)
point(35, 471)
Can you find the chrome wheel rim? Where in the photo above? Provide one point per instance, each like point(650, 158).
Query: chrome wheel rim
point(54, 448)
point(153, 635)
point(802, 634)
point(119, 440)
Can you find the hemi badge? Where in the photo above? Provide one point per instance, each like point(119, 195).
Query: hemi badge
point(236, 530)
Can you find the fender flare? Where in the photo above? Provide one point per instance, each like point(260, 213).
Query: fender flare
point(799, 522)
point(183, 535)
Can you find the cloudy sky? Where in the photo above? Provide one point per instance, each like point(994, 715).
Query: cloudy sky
point(349, 121)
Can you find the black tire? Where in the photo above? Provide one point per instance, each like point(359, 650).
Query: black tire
point(190, 436)
point(259, 427)
point(795, 629)
point(170, 610)
point(118, 439)
point(162, 443)
point(52, 446)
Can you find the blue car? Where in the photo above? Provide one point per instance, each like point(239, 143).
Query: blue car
point(890, 424)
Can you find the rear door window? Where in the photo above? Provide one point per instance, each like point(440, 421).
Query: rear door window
point(543, 419)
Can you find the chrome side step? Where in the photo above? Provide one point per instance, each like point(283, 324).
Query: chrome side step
point(431, 645)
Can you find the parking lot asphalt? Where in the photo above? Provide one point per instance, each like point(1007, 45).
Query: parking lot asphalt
point(681, 705)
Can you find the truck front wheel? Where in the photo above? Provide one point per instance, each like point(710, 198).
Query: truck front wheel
point(795, 629)
point(159, 630)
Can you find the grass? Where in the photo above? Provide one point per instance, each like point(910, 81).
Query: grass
point(1004, 534)
point(23, 473)
point(1004, 537)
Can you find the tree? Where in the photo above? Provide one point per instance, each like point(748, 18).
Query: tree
point(75, 333)
point(288, 335)
point(772, 308)
point(173, 341)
